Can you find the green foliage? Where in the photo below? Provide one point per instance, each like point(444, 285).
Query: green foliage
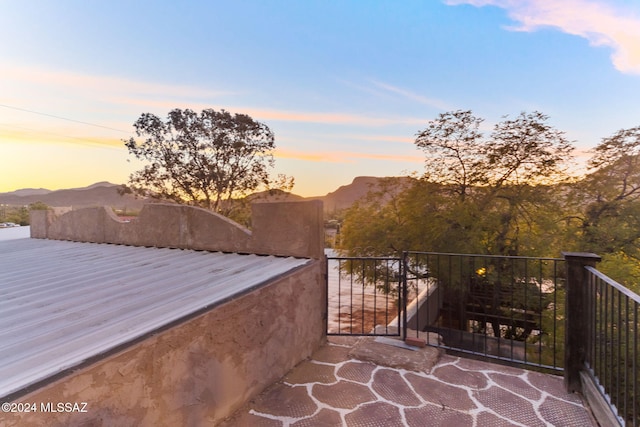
point(372, 227)
point(205, 159)
point(624, 269)
point(478, 195)
point(607, 206)
point(508, 194)
point(552, 333)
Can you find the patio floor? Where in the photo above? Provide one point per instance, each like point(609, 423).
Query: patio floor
point(363, 382)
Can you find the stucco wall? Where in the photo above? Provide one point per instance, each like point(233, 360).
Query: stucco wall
point(197, 372)
point(282, 228)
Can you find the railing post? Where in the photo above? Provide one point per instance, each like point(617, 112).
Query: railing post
point(404, 269)
point(576, 316)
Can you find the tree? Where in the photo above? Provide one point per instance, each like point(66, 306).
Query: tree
point(205, 159)
point(453, 144)
point(608, 202)
point(499, 186)
point(526, 151)
point(375, 224)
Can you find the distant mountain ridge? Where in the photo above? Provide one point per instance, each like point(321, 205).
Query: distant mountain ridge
point(346, 195)
point(28, 192)
point(98, 194)
point(106, 193)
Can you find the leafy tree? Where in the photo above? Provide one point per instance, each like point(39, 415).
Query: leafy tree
point(375, 225)
point(205, 159)
point(608, 204)
point(480, 194)
point(526, 151)
point(494, 193)
point(453, 145)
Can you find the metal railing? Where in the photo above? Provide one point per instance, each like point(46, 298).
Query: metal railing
point(363, 295)
point(553, 314)
point(495, 307)
point(612, 356)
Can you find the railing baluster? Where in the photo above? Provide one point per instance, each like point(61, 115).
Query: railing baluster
point(539, 284)
point(603, 325)
point(362, 303)
point(626, 358)
point(511, 318)
point(618, 346)
point(636, 391)
point(339, 295)
point(554, 298)
point(351, 300)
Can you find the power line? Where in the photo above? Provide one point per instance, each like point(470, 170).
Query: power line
point(62, 118)
point(82, 140)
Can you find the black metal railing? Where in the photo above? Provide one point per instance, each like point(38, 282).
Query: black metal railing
point(612, 356)
point(553, 314)
point(363, 295)
point(496, 307)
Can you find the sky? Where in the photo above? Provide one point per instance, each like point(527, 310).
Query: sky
point(345, 85)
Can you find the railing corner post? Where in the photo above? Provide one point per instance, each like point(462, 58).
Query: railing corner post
point(576, 316)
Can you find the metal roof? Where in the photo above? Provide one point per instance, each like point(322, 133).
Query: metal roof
point(64, 302)
point(12, 233)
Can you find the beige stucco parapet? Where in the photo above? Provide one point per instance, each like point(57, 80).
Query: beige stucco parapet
point(279, 228)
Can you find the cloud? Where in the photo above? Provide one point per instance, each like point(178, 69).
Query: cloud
point(329, 118)
point(61, 92)
point(602, 24)
point(266, 114)
point(104, 87)
point(431, 102)
point(382, 138)
point(379, 89)
point(23, 135)
point(343, 156)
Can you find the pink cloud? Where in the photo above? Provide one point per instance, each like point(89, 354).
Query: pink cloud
point(343, 156)
point(603, 24)
point(98, 85)
point(19, 134)
point(158, 96)
point(329, 118)
point(267, 115)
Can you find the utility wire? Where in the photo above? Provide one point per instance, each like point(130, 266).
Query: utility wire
point(82, 141)
point(62, 118)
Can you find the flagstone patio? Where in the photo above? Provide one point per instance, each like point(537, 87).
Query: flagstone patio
point(363, 382)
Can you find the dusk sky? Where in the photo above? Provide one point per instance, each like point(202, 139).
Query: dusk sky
point(344, 85)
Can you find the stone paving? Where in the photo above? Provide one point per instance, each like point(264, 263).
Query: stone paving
point(346, 384)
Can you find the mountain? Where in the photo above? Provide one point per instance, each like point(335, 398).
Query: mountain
point(347, 195)
point(106, 193)
point(274, 196)
point(28, 192)
point(99, 194)
point(97, 185)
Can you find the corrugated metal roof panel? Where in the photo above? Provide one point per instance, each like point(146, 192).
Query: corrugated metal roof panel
point(64, 302)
